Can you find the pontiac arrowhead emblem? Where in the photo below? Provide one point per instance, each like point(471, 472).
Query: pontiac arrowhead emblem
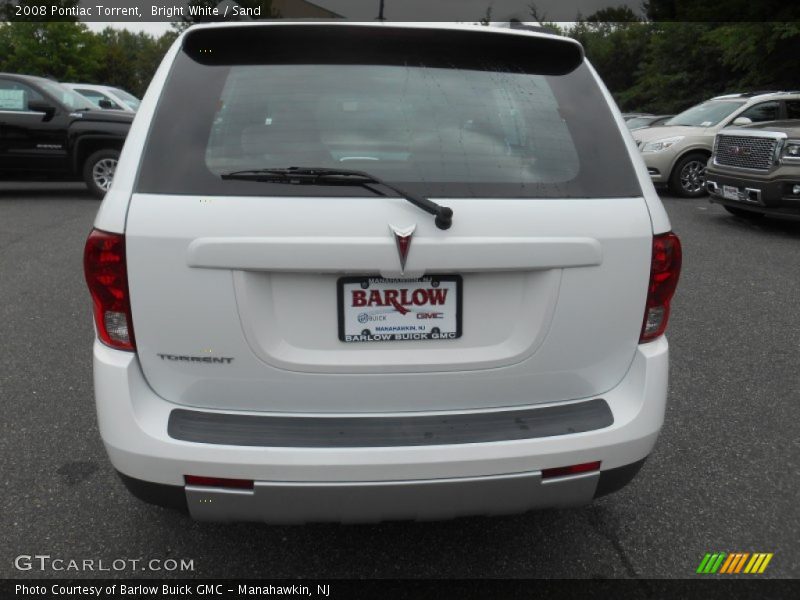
point(402, 238)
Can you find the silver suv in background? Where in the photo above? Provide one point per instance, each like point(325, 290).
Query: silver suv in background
point(676, 153)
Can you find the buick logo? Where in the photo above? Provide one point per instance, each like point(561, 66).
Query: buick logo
point(402, 238)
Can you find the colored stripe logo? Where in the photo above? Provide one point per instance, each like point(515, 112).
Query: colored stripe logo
point(734, 563)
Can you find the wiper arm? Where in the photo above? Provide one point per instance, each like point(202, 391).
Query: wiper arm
point(324, 176)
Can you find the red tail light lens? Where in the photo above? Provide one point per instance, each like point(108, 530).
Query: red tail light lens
point(571, 470)
point(107, 278)
point(240, 484)
point(665, 268)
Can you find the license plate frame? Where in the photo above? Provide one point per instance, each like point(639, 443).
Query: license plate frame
point(731, 192)
point(346, 332)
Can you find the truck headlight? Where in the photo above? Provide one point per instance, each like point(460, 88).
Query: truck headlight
point(791, 151)
point(662, 144)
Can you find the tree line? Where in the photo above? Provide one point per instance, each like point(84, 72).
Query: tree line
point(69, 51)
point(664, 62)
point(664, 67)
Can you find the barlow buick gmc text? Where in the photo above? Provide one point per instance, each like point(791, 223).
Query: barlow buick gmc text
point(358, 272)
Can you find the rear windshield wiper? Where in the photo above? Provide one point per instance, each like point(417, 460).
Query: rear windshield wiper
point(323, 176)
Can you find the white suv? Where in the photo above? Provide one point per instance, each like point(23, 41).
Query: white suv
point(378, 271)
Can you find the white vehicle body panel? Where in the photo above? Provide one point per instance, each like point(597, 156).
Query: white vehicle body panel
point(557, 272)
point(138, 444)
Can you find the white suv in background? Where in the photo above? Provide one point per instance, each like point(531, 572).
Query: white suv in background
point(374, 273)
point(677, 152)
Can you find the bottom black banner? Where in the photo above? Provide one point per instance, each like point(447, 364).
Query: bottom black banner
point(387, 589)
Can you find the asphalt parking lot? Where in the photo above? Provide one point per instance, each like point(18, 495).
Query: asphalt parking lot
point(724, 475)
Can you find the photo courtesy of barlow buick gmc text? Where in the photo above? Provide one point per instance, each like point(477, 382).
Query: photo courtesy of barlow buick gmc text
point(388, 299)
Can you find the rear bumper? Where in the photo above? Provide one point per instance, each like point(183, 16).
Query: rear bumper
point(380, 501)
point(373, 483)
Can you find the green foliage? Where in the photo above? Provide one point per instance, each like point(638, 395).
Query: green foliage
point(762, 55)
point(69, 51)
point(660, 65)
point(64, 50)
point(667, 65)
point(678, 68)
point(614, 49)
point(130, 59)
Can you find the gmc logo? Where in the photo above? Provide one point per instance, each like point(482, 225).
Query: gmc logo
point(430, 315)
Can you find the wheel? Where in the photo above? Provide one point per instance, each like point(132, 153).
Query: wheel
point(744, 213)
point(688, 178)
point(98, 171)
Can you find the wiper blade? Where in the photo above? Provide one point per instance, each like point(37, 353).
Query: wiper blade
point(298, 175)
point(325, 176)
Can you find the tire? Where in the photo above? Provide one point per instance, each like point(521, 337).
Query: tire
point(98, 171)
point(744, 213)
point(688, 178)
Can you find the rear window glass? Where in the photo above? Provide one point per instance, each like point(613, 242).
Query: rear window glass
point(132, 101)
point(452, 128)
point(95, 97)
point(706, 114)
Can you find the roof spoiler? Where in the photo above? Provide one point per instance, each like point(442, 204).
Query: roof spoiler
point(481, 48)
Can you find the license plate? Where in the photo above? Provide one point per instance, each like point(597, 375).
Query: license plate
point(374, 309)
point(730, 192)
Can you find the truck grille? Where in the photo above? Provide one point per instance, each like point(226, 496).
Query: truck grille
point(745, 152)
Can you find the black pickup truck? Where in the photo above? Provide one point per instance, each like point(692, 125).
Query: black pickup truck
point(47, 131)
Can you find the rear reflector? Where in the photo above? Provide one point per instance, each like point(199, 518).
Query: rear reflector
point(571, 470)
point(665, 268)
point(107, 277)
point(223, 482)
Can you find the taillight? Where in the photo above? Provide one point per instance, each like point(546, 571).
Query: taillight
point(665, 268)
point(571, 470)
point(223, 482)
point(107, 278)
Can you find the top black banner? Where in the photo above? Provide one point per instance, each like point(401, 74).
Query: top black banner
point(525, 11)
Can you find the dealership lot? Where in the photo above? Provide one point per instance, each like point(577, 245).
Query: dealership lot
point(723, 476)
